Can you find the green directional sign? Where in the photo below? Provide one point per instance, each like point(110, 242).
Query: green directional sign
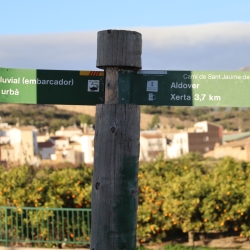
point(51, 86)
point(185, 88)
point(144, 87)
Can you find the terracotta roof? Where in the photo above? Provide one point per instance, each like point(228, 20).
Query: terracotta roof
point(151, 136)
point(58, 138)
point(5, 129)
point(73, 128)
point(47, 144)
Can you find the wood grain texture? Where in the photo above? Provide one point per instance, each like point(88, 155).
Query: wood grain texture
point(115, 181)
point(111, 86)
point(119, 48)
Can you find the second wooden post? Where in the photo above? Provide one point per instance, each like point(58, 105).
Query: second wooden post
point(117, 135)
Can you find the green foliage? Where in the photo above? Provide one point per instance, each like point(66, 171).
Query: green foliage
point(231, 118)
point(188, 194)
point(183, 197)
point(24, 186)
point(13, 186)
point(42, 116)
point(199, 111)
point(151, 223)
point(49, 117)
point(180, 127)
point(223, 206)
point(155, 122)
point(194, 195)
point(83, 118)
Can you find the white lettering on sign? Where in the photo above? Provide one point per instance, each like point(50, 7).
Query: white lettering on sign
point(214, 77)
point(217, 76)
point(186, 76)
point(10, 80)
point(24, 80)
point(175, 97)
point(48, 82)
point(151, 97)
point(225, 77)
point(181, 85)
point(228, 77)
point(152, 86)
point(93, 85)
point(246, 77)
point(10, 92)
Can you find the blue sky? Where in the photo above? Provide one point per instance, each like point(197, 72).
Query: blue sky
point(50, 16)
point(176, 34)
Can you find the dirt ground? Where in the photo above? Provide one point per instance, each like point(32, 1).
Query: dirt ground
point(222, 243)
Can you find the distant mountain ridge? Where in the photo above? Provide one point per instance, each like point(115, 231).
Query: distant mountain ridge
point(146, 119)
point(246, 68)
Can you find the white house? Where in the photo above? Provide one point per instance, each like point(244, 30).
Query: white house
point(46, 149)
point(60, 142)
point(23, 145)
point(179, 145)
point(69, 131)
point(152, 143)
point(87, 145)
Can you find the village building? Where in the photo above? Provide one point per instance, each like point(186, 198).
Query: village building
point(236, 145)
point(46, 149)
point(201, 138)
point(19, 145)
point(69, 131)
point(152, 144)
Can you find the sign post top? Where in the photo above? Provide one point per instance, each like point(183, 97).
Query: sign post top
point(119, 48)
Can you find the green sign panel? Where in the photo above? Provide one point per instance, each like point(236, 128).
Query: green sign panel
point(145, 87)
point(185, 88)
point(51, 86)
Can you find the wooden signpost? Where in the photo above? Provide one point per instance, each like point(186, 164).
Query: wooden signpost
point(117, 134)
point(117, 131)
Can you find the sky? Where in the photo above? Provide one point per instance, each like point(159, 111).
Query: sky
point(177, 35)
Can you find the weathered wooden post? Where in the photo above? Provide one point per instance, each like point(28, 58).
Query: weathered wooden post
point(117, 134)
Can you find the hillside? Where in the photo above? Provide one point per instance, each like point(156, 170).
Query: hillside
point(146, 119)
point(52, 117)
point(246, 68)
point(184, 117)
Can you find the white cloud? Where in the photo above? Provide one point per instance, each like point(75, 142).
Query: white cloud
point(218, 46)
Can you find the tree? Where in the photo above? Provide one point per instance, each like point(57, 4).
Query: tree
point(183, 197)
point(83, 118)
point(151, 222)
point(155, 122)
point(224, 206)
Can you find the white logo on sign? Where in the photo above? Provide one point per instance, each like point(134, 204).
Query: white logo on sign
point(93, 85)
point(152, 86)
point(151, 97)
